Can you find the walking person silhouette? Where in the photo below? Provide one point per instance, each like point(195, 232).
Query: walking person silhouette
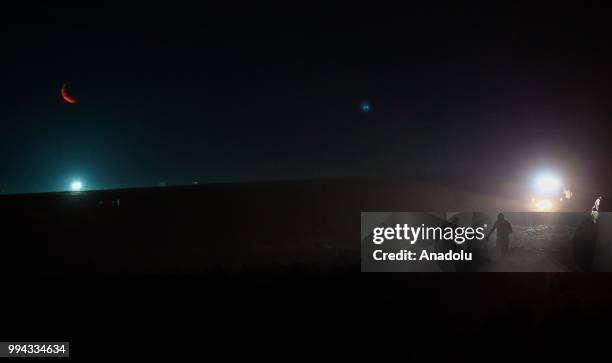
point(504, 229)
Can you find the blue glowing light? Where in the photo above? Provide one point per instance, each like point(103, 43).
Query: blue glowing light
point(365, 106)
point(76, 186)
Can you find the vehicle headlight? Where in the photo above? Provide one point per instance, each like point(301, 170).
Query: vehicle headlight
point(548, 183)
point(544, 205)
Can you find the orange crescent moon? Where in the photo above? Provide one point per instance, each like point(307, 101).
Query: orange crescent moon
point(65, 95)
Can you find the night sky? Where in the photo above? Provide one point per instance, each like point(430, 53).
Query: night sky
point(230, 95)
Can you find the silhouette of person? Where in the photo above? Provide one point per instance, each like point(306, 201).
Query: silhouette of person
point(504, 229)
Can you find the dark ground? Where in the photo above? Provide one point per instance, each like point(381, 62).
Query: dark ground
point(254, 269)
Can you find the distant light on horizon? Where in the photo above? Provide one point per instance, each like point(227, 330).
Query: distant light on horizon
point(76, 186)
point(544, 205)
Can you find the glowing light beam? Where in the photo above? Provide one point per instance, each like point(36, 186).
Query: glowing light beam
point(76, 186)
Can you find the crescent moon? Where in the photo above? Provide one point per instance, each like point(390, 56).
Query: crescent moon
point(65, 95)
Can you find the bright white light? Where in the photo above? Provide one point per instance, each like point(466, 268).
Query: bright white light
point(76, 185)
point(544, 205)
point(548, 183)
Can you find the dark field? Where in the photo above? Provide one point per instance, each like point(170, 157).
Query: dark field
point(259, 266)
